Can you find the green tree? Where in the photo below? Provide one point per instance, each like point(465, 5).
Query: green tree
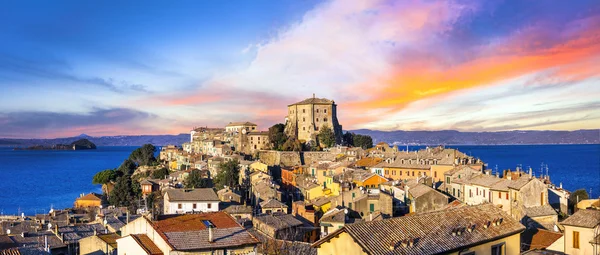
point(160, 173)
point(124, 193)
point(292, 144)
point(127, 167)
point(195, 180)
point(347, 139)
point(144, 156)
point(577, 196)
point(104, 177)
point(326, 136)
point(277, 136)
point(228, 174)
point(363, 141)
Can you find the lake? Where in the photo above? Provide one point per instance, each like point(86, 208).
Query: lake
point(33, 181)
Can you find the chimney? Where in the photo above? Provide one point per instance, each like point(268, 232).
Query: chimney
point(530, 173)
point(371, 216)
point(127, 217)
point(46, 243)
point(210, 234)
point(560, 185)
point(95, 232)
point(497, 175)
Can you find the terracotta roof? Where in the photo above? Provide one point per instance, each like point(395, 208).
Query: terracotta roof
point(189, 232)
point(537, 211)
point(587, 218)
point(431, 233)
point(110, 239)
point(91, 196)
point(485, 180)
point(539, 238)
point(461, 168)
point(502, 185)
point(368, 162)
point(314, 100)
point(146, 243)
point(418, 189)
point(272, 203)
point(238, 209)
point(206, 194)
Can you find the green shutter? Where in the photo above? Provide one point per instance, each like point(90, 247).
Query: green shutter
point(372, 207)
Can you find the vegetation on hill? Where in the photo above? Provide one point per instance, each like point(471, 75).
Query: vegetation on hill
point(357, 140)
point(160, 173)
point(277, 136)
point(195, 180)
point(144, 156)
point(83, 144)
point(326, 136)
point(228, 175)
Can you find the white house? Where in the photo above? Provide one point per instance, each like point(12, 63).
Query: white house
point(180, 201)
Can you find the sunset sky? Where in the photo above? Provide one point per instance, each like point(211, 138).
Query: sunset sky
point(153, 67)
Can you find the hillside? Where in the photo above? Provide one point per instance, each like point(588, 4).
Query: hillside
point(138, 140)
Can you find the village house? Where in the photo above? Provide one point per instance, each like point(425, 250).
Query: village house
point(149, 186)
point(558, 198)
point(279, 226)
point(99, 244)
point(258, 140)
point(421, 198)
point(229, 196)
point(368, 180)
point(582, 232)
point(336, 218)
point(237, 127)
point(482, 229)
point(272, 206)
point(239, 211)
point(186, 234)
point(180, 201)
point(91, 200)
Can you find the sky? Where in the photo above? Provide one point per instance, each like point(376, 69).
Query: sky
point(164, 67)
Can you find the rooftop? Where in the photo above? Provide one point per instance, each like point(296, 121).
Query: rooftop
point(189, 232)
point(279, 220)
point(272, 203)
point(146, 243)
point(110, 239)
point(454, 229)
point(207, 194)
point(587, 218)
point(91, 196)
point(314, 100)
point(537, 211)
point(241, 123)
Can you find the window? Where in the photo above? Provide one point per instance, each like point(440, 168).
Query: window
point(499, 194)
point(453, 191)
point(323, 173)
point(497, 249)
point(448, 180)
point(542, 198)
point(435, 174)
point(470, 193)
point(350, 204)
point(575, 239)
point(353, 195)
point(393, 172)
point(303, 110)
point(400, 173)
point(303, 119)
point(371, 207)
point(387, 172)
point(317, 119)
point(303, 128)
point(325, 110)
point(209, 205)
point(325, 119)
point(194, 206)
point(483, 193)
point(179, 206)
point(413, 173)
point(506, 195)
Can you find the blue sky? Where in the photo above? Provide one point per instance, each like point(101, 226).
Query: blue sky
point(155, 67)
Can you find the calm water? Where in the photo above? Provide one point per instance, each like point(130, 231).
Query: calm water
point(32, 181)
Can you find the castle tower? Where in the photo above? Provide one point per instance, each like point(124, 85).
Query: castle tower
point(307, 117)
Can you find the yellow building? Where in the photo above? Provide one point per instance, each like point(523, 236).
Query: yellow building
point(370, 180)
point(581, 232)
point(89, 200)
point(99, 244)
point(259, 166)
point(482, 229)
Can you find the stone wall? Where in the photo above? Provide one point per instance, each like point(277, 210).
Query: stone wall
point(315, 156)
point(283, 158)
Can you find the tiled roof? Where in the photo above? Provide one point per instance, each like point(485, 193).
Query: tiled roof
point(24, 251)
point(432, 233)
point(418, 189)
point(460, 168)
point(283, 247)
point(240, 124)
point(587, 218)
point(539, 238)
point(314, 100)
point(238, 209)
point(72, 234)
point(206, 194)
point(485, 180)
point(502, 185)
point(272, 203)
point(368, 162)
point(263, 133)
point(279, 220)
point(110, 239)
point(519, 183)
point(188, 232)
point(146, 243)
point(537, 211)
point(91, 196)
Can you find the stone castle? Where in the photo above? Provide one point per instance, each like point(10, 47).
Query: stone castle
point(305, 119)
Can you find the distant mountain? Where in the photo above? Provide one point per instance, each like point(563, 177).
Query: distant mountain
point(136, 140)
point(443, 137)
point(397, 137)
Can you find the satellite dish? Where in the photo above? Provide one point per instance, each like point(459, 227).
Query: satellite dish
point(244, 131)
point(49, 226)
point(8, 231)
point(345, 211)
